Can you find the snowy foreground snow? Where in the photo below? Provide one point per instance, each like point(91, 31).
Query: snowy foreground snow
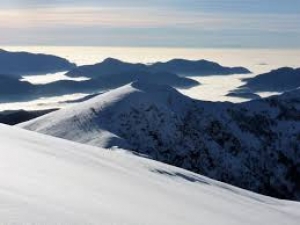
point(46, 180)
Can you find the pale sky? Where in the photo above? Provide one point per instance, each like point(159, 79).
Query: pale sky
point(162, 23)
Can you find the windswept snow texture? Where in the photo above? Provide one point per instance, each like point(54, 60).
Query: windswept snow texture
point(253, 145)
point(279, 80)
point(25, 63)
point(45, 180)
point(178, 66)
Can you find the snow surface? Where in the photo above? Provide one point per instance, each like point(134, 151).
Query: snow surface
point(46, 180)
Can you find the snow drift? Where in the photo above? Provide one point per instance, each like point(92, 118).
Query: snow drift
point(45, 180)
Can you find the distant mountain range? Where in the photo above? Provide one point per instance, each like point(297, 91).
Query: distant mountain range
point(196, 68)
point(12, 88)
point(25, 63)
point(178, 66)
point(253, 145)
point(280, 80)
point(109, 74)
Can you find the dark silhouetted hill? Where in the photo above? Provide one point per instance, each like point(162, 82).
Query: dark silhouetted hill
point(13, 117)
point(25, 63)
point(245, 93)
point(279, 80)
point(197, 68)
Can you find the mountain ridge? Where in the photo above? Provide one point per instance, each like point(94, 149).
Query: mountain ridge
point(253, 145)
point(177, 66)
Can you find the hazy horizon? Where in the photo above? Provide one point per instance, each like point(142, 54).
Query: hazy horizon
point(153, 23)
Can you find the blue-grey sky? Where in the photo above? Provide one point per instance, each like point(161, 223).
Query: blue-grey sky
point(164, 23)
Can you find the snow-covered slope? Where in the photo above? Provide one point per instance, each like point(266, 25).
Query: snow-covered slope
point(98, 120)
point(254, 145)
point(45, 180)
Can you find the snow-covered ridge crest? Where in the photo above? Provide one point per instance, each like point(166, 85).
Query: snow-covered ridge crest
point(46, 180)
point(94, 121)
point(253, 145)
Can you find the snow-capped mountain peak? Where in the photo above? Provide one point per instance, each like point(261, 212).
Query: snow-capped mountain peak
point(93, 121)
